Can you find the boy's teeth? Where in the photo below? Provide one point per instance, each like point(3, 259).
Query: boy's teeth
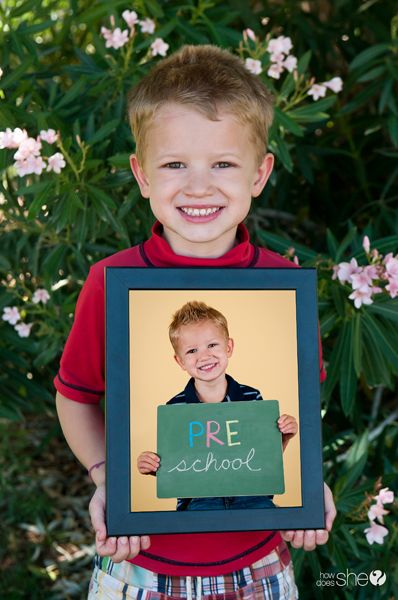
point(199, 212)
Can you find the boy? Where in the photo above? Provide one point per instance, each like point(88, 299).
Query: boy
point(200, 339)
point(200, 121)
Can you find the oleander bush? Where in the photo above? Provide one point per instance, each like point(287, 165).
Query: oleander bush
point(68, 198)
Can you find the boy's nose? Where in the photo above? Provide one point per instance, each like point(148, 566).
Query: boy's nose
point(198, 184)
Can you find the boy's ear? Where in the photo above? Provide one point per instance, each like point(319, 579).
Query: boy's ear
point(230, 347)
point(179, 362)
point(262, 175)
point(140, 176)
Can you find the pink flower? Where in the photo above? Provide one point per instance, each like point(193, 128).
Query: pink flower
point(131, 18)
point(249, 33)
point(317, 91)
point(33, 164)
point(12, 138)
point(28, 147)
point(377, 511)
point(116, 38)
point(391, 265)
point(361, 296)
point(296, 260)
point(366, 244)
point(345, 270)
point(56, 162)
point(385, 496)
point(40, 295)
point(392, 287)
point(361, 279)
point(290, 63)
point(376, 533)
point(280, 44)
point(148, 26)
point(278, 57)
point(23, 329)
point(11, 314)
point(254, 66)
point(275, 70)
point(50, 136)
point(160, 47)
point(372, 271)
point(335, 84)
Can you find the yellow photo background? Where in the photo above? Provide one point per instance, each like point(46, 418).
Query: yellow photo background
point(262, 324)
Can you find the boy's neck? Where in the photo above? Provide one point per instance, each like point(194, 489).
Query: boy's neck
point(211, 392)
point(198, 249)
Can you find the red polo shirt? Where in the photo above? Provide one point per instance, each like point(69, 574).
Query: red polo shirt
point(81, 378)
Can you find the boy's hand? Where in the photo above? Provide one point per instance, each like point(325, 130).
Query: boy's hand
point(288, 427)
point(311, 538)
point(118, 549)
point(148, 463)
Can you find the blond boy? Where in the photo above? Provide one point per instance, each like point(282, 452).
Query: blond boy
point(200, 121)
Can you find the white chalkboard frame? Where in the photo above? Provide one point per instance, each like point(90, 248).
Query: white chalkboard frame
point(120, 519)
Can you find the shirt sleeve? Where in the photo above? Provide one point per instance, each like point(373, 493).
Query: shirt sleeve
point(81, 376)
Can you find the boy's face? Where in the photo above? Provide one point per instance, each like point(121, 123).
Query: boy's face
point(200, 176)
point(203, 350)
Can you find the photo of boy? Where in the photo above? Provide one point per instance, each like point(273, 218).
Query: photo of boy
point(200, 338)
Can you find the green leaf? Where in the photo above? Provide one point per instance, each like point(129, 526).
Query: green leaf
point(375, 369)
point(39, 200)
point(385, 308)
point(393, 129)
point(121, 161)
point(331, 243)
point(372, 74)
point(347, 373)
point(16, 73)
point(312, 113)
point(327, 322)
point(280, 244)
point(104, 131)
point(387, 344)
point(303, 62)
point(288, 123)
point(367, 55)
point(357, 343)
point(281, 149)
point(75, 90)
point(345, 243)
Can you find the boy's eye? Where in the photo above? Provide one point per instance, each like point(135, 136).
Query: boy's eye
point(213, 344)
point(191, 351)
point(174, 165)
point(222, 164)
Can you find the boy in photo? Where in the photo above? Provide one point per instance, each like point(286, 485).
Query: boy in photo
point(200, 120)
point(202, 345)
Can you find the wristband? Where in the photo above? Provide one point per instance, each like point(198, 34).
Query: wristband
point(99, 464)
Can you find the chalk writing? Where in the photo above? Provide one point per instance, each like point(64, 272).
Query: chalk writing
point(211, 463)
point(197, 430)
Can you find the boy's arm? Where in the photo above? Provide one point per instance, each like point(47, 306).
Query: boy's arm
point(84, 430)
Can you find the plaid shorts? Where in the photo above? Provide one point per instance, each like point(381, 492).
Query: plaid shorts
point(271, 578)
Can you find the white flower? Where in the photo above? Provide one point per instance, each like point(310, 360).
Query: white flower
point(392, 288)
point(12, 138)
point(1, 72)
point(385, 496)
point(148, 26)
point(391, 265)
point(376, 533)
point(40, 295)
point(11, 314)
point(290, 63)
point(335, 84)
point(23, 329)
point(361, 296)
point(275, 70)
point(254, 66)
point(116, 38)
point(32, 164)
point(345, 270)
point(160, 47)
point(56, 162)
point(277, 57)
point(317, 91)
point(50, 136)
point(131, 18)
point(280, 44)
point(28, 147)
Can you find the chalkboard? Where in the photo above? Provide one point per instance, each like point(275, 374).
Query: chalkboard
point(223, 449)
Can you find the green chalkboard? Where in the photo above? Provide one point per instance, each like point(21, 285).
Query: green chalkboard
point(223, 449)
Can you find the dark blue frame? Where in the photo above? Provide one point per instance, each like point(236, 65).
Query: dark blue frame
point(120, 519)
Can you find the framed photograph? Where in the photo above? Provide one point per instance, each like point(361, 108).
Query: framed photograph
point(223, 462)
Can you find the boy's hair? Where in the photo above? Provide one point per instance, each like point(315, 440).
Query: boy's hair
point(204, 78)
point(195, 312)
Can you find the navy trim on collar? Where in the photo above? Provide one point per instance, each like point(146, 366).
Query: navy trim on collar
point(234, 391)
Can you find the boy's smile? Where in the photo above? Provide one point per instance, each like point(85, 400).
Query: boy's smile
point(203, 351)
point(200, 176)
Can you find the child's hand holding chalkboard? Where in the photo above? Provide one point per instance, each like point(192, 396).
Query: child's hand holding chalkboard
point(288, 427)
point(148, 463)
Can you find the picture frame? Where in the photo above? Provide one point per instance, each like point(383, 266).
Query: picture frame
point(274, 314)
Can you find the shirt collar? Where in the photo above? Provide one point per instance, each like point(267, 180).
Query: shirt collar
point(158, 253)
point(233, 391)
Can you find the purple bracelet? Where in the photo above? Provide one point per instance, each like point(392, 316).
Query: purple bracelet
point(95, 467)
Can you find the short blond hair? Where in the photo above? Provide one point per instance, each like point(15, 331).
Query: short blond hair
point(192, 313)
point(206, 78)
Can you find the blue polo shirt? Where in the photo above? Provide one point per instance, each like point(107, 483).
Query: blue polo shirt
point(236, 392)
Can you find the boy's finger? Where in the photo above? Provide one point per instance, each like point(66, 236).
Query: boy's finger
point(107, 547)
